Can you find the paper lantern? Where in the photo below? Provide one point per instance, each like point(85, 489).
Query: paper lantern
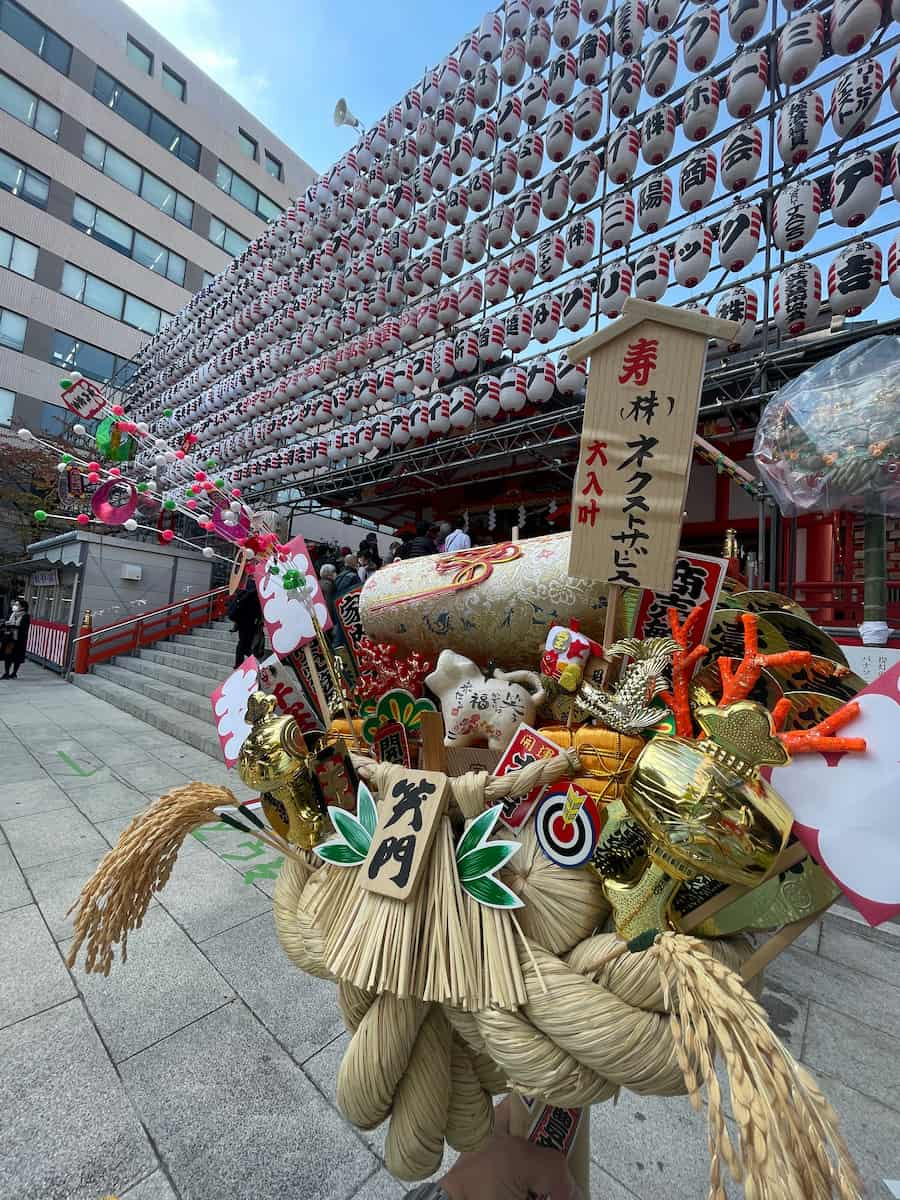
point(856, 98)
point(491, 340)
point(739, 235)
point(445, 124)
point(895, 171)
point(392, 175)
point(798, 293)
point(465, 352)
point(895, 81)
point(423, 187)
point(458, 205)
point(474, 242)
point(800, 125)
point(701, 38)
point(448, 306)
point(537, 43)
point(418, 420)
point(535, 95)
point(584, 177)
point(442, 361)
point(740, 305)
point(500, 227)
point(577, 302)
point(622, 153)
point(546, 315)
point(851, 24)
point(394, 289)
point(629, 23)
point(658, 134)
point(746, 82)
point(509, 117)
point(518, 326)
point(693, 254)
point(592, 55)
point(565, 22)
point(462, 407)
point(461, 154)
point(745, 19)
point(580, 236)
point(334, 450)
point(423, 367)
point(487, 397)
point(530, 158)
point(512, 62)
point(402, 203)
point(464, 104)
point(377, 139)
point(398, 419)
point(741, 157)
point(571, 378)
point(587, 114)
point(490, 36)
point(661, 14)
point(697, 180)
point(486, 82)
point(660, 65)
point(540, 381)
point(654, 203)
point(440, 170)
point(625, 89)
point(448, 77)
point(496, 282)
point(432, 266)
point(563, 74)
point(468, 57)
point(480, 191)
point(551, 256)
point(376, 182)
point(617, 223)
point(592, 11)
point(795, 214)
point(559, 136)
point(700, 108)
point(505, 171)
point(854, 278)
point(522, 267)
point(412, 110)
point(513, 389)
point(427, 320)
point(484, 136)
point(452, 256)
point(894, 266)
point(855, 190)
point(801, 44)
point(426, 139)
point(516, 15)
point(651, 273)
point(527, 210)
point(555, 195)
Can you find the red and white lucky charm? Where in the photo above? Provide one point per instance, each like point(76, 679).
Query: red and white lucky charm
point(566, 654)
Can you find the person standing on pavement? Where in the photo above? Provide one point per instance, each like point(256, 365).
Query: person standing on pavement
point(422, 543)
point(14, 638)
point(245, 611)
point(458, 539)
point(327, 572)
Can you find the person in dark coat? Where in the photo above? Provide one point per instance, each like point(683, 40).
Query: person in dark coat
point(246, 612)
point(346, 580)
point(423, 542)
point(368, 547)
point(14, 639)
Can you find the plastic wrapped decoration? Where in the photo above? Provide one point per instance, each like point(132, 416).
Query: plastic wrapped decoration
point(830, 439)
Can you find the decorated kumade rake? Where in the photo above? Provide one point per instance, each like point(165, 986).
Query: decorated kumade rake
point(550, 864)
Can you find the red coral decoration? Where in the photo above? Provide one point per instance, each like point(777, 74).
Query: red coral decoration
point(683, 663)
point(737, 685)
point(381, 669)
point(820, 737)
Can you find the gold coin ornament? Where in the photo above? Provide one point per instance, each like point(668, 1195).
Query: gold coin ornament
point(818, 675)
point(809, 709)
point(760, 601)
point(726, 635)
point(801, 634)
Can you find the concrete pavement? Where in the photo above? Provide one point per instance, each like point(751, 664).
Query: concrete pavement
point(205, 1067)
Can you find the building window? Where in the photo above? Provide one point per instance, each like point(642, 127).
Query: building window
point(117, 235)
point(173, 83)
point(208, 278)
point(70, 354)
point(12, 329)
point(105, 297)
point(245, 193)
point(139, 114)
point(136, 53)
point(248, 145)
point(129, 174)
point(25, 106)
point(229, 239)
point(7, 404)
point(23, 181)
point(274, 167)
point(59, 422)
point(18, 255)
point(35, 36)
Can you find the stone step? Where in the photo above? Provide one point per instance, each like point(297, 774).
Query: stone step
point(186, 645)
point(180, 725)
point(214, 637)
point(208, 673)
point(176, 677)
point(193, 705)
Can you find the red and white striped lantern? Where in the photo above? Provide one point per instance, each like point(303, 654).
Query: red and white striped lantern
point(739, 235)
point(432, 266)
point(448, 77)
point(697, 180)
point(563, 74)
point(385, 387)
point(895, 81)
point(551, 256)
point(571, 378)
point(490, 36)
point(480, 188)
point(855, 190)
point(658, 134)
point(516, 16)
point(580, 237)
point(701, 38)
point(426, 139)
point(546, 316)
point(439, 413)
point(399, 421)
point(700, 108)
point(559, 136)
point(854, 278)
point(894, 266)
point(593, 11)
point(427, 320)
point(565, 22)
point(458, 205)
point(592, 56)
point(496, 282)
point(661, 14)
point(522, 267)
point(800, 47)
point(651, 273)
point(800, 125)
point(797, 297)
point(795, 214)
point(745, 19)
point(452, 256)
point(505, 172)
point(464, 103)
point(465, 352)
point(448, 306)
point(535, 95)
point(423, 187)
point(418, 420)
point(584, 177)
point(445, 124)
point(625, 88)
point(746, 83)
point(487, 397)
point(484, 136)
point(530, 157)
point(856, 98)
point(537, 43)
point(381, 433)
point(741, 157)
point(629, 24)
point(512, 62)
point(513, 389)
point(441, 173)
point(555, 195)
point(461, 154)
point(654, 203)
point(486, 83)
point(527, 211)
point(500, 227)
point(509, 117)
point(475, 242)
point(895, 171)
point(462, 407)
point(540, 383)
point(851, 24)
point(622, 153)
point(577, 303)
point(740, 305)
point(470, 296)
point(442, 360)
point(518, 327)
point(617, 223)
point(423, 368)
point(587, 114)
point(491, 340)
point(660, 66)
point(693, 254)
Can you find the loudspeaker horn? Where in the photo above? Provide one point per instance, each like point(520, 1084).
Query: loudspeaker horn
point(343, 115)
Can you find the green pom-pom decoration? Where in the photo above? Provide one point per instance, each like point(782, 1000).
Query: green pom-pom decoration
point(65, 458)
point(219, 483)
point(169, 504)
point(210, 464)
point(274, 569)
point(65, 384)
point(167, 412)
point(292, 579)
point(142, 487)
point(40, 515)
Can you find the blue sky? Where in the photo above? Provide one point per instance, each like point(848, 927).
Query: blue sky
point(317, 51)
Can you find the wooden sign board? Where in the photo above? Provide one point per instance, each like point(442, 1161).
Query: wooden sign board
point(643, 396)
point(409, 808)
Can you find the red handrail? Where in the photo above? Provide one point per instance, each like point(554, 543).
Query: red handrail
point(125, 637)
point(840, 602)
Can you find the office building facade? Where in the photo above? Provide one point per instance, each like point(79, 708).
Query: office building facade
point(128, 179)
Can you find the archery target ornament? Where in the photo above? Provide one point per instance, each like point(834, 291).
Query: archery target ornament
point(854, 278)
point(795, 215)
point(800, 124)
point(798, 294)
point(567, 824)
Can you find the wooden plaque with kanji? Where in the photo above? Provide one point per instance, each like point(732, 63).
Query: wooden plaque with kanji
point(410, 806)
point(640, 414)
